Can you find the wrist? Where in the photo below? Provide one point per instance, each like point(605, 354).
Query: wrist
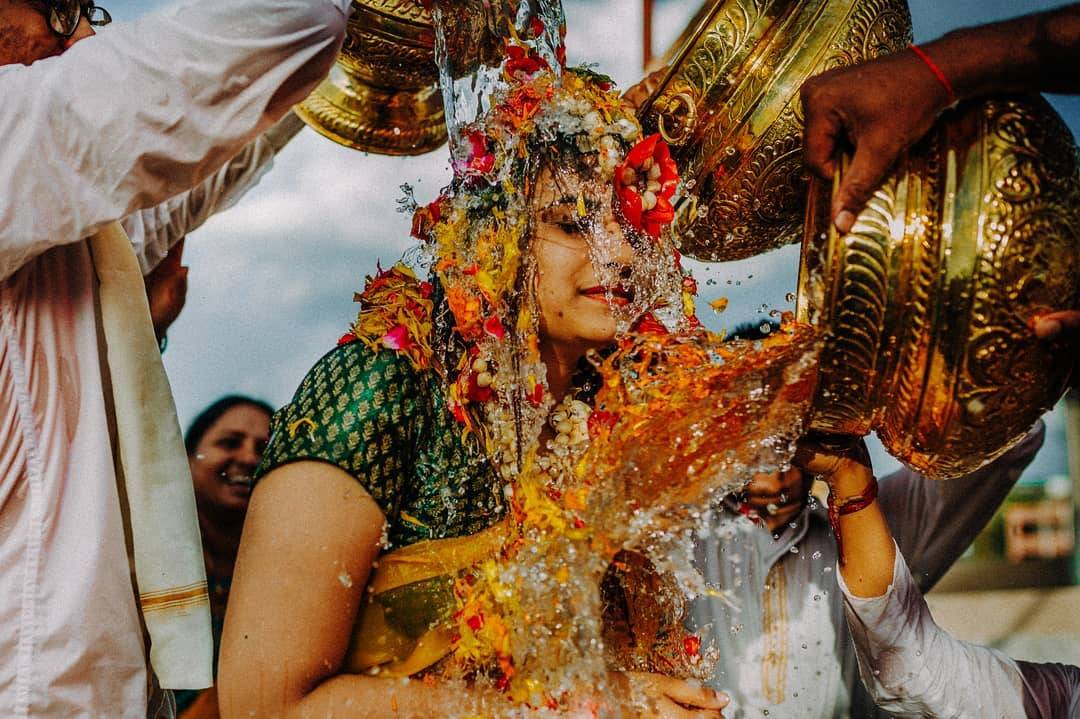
point(943, 83)
point(851, 479)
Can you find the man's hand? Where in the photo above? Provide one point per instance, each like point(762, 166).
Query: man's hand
point(880, 109)
point(776, 497)
point(1063, 325)
point(166, 290)
point(636, 95)
point(841, 462)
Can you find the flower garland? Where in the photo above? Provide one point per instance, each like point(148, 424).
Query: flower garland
point(477, 233)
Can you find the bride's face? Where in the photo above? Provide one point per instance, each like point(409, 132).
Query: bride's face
point(582, 261)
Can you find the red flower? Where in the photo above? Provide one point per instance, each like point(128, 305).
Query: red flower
point(481, 159)
point(425, 218)
point(536, 397)
point(645, 182)
point(475, 622)
point(692, 645)
point(474, 392)
point(494, 328)
point(537, 26)
point(346, 339)
point(523, 63)
point(599, 419)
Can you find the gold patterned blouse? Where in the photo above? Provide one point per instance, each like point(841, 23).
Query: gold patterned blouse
point(374, 415)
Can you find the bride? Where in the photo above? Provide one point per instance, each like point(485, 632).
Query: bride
point(411, 452)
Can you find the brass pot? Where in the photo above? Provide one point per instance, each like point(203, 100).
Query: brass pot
point(729, 107)
point(382, 95)
point(927, 303)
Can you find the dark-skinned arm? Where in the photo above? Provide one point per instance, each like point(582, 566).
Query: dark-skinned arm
point(882, 107)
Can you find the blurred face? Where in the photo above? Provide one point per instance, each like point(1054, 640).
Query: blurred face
point(227, 456)
point(575, 295)
point(25, 36)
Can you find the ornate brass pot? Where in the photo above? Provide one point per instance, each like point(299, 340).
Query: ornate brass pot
point(382, 94)
point(729, 107)
point(926, 304)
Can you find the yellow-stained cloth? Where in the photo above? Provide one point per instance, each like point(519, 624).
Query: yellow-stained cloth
point(165, 539)
point(405, 623)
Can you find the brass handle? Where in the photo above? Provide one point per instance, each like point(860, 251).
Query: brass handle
point(686, 124)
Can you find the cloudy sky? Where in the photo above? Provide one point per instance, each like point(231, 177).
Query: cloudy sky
point(271, 280)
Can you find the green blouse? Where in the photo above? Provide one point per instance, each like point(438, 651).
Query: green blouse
point(386, 423)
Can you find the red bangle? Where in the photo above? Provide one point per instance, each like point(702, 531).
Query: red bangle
point(850, 506)
point(942, 80)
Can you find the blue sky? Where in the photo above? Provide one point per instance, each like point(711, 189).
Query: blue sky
point(272, 280)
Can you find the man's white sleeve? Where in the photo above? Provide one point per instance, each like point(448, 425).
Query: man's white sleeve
point(935, 521)
point(146, 110)
point(155, 230)
point(913, 668)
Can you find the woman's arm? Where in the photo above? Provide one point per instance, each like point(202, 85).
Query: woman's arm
point(310, 539)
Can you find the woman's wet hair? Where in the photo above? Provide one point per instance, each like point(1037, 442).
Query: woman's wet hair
point(206, 419)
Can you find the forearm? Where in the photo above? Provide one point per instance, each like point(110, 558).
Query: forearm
point(129, 118)
point(346, 696)
point(155, 230)
point(1036, 52)
point(867, 548)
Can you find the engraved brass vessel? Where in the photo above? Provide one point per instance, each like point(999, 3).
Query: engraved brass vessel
point(927, 303)
point(729, 107)
point(382, 94)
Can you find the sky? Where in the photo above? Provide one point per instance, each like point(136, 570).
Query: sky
point(272, 279)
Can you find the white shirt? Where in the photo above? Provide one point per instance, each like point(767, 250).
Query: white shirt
point(913, 668)
point(784, 647)
point(119, 123)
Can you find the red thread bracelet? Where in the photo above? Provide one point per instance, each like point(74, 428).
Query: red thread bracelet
point(850, 506)
point(942, 80)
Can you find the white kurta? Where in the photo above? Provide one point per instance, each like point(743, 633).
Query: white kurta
point(120, 122)
point(913, 668)
point(785, 650)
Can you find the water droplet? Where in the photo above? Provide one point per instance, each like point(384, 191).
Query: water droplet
point(794, 550)
point(765, 328)
point(790, 297)
point(816, 555)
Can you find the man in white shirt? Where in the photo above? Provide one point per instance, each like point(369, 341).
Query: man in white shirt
point(778, 622)
point(98, 129)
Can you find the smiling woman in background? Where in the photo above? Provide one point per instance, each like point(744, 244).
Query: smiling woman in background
point(224, 446)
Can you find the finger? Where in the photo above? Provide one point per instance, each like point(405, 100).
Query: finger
point(868, 168)
point(810, 456)
point(823, 132)
point(1054, 324)
point(694, 695)
point(172, 260)
point(764, 485)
